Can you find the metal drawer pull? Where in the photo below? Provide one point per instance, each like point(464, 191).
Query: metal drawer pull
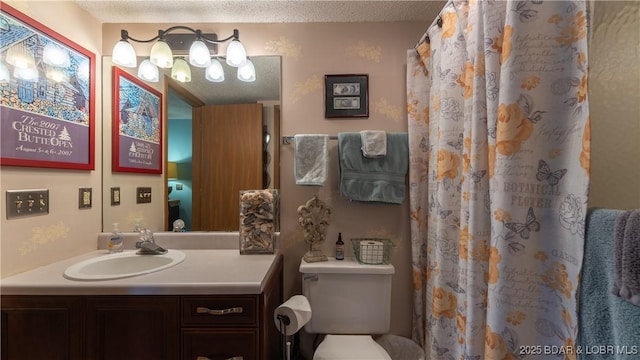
point(235, 310)
point(231, 358)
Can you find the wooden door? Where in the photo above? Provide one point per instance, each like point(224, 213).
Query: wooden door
point(227, 158)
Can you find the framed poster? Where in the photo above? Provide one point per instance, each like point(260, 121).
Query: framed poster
point(346, 96)
point(137, 125)
point(47, 96)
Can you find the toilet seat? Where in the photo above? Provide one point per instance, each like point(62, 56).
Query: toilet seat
point(352, 347)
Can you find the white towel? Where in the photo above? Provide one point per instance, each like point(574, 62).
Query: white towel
point(310, 159)
point(374, 143)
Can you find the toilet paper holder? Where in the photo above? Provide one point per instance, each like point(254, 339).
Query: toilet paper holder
point(290, 317)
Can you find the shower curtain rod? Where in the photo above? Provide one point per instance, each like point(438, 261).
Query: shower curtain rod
point(436, 21)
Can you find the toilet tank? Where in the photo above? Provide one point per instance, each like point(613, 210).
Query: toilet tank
point(347, 297)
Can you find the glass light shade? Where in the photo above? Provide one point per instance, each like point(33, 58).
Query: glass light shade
point(27, 74)
point(161, 55)
point(54, 55)
point(181, 71)
point(199, 54)
point(148, 72)
point(236, 55)
point(247, 72)
point(214, 72)
point(4, 72)
point(124, 55)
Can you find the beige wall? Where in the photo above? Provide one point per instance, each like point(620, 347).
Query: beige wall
point(309, 51)
point(27, 243)
point(614, 102)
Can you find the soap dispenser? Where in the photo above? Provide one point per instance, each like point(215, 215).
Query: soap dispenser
point(116, 242)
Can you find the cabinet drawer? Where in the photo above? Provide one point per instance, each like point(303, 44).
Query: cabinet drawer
point(220, 310)
point(227, 344)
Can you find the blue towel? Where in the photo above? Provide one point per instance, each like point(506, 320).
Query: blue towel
point(627, 256)
point(604, 319)
point(373, 179)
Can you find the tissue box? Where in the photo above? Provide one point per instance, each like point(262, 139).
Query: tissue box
point(372, 251)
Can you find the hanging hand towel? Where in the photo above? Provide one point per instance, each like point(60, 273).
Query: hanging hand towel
point(310, 159)
point(374, 143)
point(373, 179)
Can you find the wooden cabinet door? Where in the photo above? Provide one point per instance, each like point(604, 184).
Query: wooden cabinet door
point(42, 327)
point(132, 327)
point(227, 158)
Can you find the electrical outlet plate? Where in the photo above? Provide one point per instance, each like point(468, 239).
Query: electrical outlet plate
point(84, 198)
point(115, 196)
point(143, 195)
point(27, 203)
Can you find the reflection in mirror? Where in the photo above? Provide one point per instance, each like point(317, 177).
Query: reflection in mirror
point(212, 156)
point(218, 142)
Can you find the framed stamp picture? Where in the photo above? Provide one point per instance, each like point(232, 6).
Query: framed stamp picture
point(47, 96)
point(346, 96)
point(137, 125)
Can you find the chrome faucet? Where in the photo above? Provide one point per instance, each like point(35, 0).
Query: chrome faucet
point(147, 244)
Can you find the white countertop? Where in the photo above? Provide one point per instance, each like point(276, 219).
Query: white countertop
point(203, 272)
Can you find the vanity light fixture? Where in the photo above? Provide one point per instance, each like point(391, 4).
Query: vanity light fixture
point(199, 55)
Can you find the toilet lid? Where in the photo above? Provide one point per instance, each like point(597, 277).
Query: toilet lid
point(352, 347)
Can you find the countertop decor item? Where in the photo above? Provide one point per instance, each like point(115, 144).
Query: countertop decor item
point(258, 210)
point(314, 217)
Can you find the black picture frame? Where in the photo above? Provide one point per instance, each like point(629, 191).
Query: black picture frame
point(346, 96)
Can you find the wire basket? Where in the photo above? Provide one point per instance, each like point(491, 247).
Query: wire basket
point(372, 251)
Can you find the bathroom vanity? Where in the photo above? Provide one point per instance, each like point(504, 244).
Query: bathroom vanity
point(216, 304)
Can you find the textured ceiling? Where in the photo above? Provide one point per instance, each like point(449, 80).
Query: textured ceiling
point(257, 11)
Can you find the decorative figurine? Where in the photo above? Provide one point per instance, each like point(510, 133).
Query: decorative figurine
point(314, 218)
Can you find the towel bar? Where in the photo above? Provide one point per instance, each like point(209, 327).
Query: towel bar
point(289, 139)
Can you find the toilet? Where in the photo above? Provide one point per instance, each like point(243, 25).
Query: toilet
point(349, 303)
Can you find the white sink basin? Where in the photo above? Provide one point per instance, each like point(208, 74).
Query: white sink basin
point(122, 265)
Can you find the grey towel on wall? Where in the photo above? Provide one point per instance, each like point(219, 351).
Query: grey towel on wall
point(627, 256)
point(373, 179)
point(604, 319)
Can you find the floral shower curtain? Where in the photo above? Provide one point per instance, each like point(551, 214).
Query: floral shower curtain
point(499, 173)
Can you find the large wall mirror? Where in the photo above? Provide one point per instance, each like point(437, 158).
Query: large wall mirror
point(220, 138)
